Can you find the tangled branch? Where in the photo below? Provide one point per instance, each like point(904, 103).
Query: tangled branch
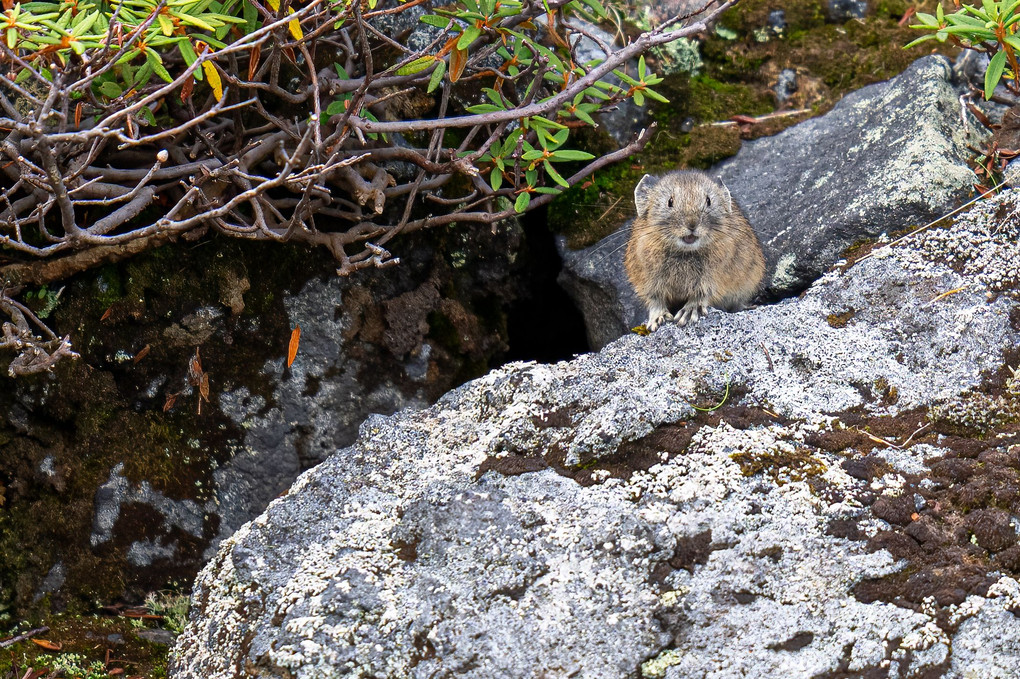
point(130, 123)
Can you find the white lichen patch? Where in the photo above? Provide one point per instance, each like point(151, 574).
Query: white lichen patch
point(980, 243)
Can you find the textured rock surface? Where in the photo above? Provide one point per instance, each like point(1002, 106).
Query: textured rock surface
point(889, 154)
point(585, 519)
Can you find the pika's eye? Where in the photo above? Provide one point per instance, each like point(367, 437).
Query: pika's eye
point(669, 203)
point(708, 201)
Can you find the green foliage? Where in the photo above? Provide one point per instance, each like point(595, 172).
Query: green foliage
point(521, 51)
point(173, 607)
point(77, 666)
point(990, 28)
point(47, 298)
point(63, 27)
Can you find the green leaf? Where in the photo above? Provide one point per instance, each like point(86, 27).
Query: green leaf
point(437, 76)
point(522, 202)
point(582, 115)
point(534, 154)
point(555, 175)
point(625, 78)
point(341, 71)
point(596, 7)
point(994, 73)
point(198, 23)
point(335, 108)
point(111, 89)
point(923, 38)
point(435, 20)
point(484, 108)
point(571, 154)
point(641, 68)
point(531, 177)
point(494, 97)
point(548, 189)
point(165, 24)
point(188, 52)
point(251, 17)
point(156, 64)
point(495, 179)
point(652, 94)
point(468, 36)
point(146, 114)
point(639, 98)
point(416, 66)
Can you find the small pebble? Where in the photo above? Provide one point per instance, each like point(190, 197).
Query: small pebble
point(777, 20)
point(786, 85)
point(841, 10)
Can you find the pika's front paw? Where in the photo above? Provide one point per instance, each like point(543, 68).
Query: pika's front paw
point(654, 322)
point(692, 312)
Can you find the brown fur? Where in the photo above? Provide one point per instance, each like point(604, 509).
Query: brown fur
point(722, 266)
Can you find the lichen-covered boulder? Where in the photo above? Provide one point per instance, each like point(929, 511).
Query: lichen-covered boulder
point(822, 487)
point(887, 156)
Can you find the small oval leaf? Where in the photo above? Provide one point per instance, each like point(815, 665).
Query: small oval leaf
point(994, 73)
point(416, 66)
point(213, 76)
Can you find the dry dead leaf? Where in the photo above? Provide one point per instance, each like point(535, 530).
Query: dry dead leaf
point(295, 339)
point(47, 644)
point(142, 354)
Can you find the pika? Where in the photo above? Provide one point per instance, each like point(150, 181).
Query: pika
point(690, 248)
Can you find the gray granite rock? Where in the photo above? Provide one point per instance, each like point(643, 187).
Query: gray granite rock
point(888, 156)
point(424, 550)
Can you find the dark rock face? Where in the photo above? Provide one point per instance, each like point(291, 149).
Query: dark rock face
point(793, 490)
point(118, 478)
point(888, 156)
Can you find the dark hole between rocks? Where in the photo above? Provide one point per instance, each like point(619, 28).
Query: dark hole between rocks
point(543, 325)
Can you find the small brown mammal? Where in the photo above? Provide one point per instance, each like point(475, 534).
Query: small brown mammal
point(690, 248)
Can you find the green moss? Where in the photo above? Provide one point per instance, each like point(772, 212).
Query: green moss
point(783, 464)
point(712, 100)
point(83, 640)
point(840, 320)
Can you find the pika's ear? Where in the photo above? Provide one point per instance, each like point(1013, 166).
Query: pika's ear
point(726, 195)
point(641, 192)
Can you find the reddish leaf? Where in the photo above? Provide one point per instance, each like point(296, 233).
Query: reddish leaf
point(295, 339)
point(187, 88)
point(171, 399)
point(203, 387)
point(458, 60)
point(48, 645)
point(106, 314)
point(253, 60)
point(142, 354)
point(448, 46)
point(77, 114)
